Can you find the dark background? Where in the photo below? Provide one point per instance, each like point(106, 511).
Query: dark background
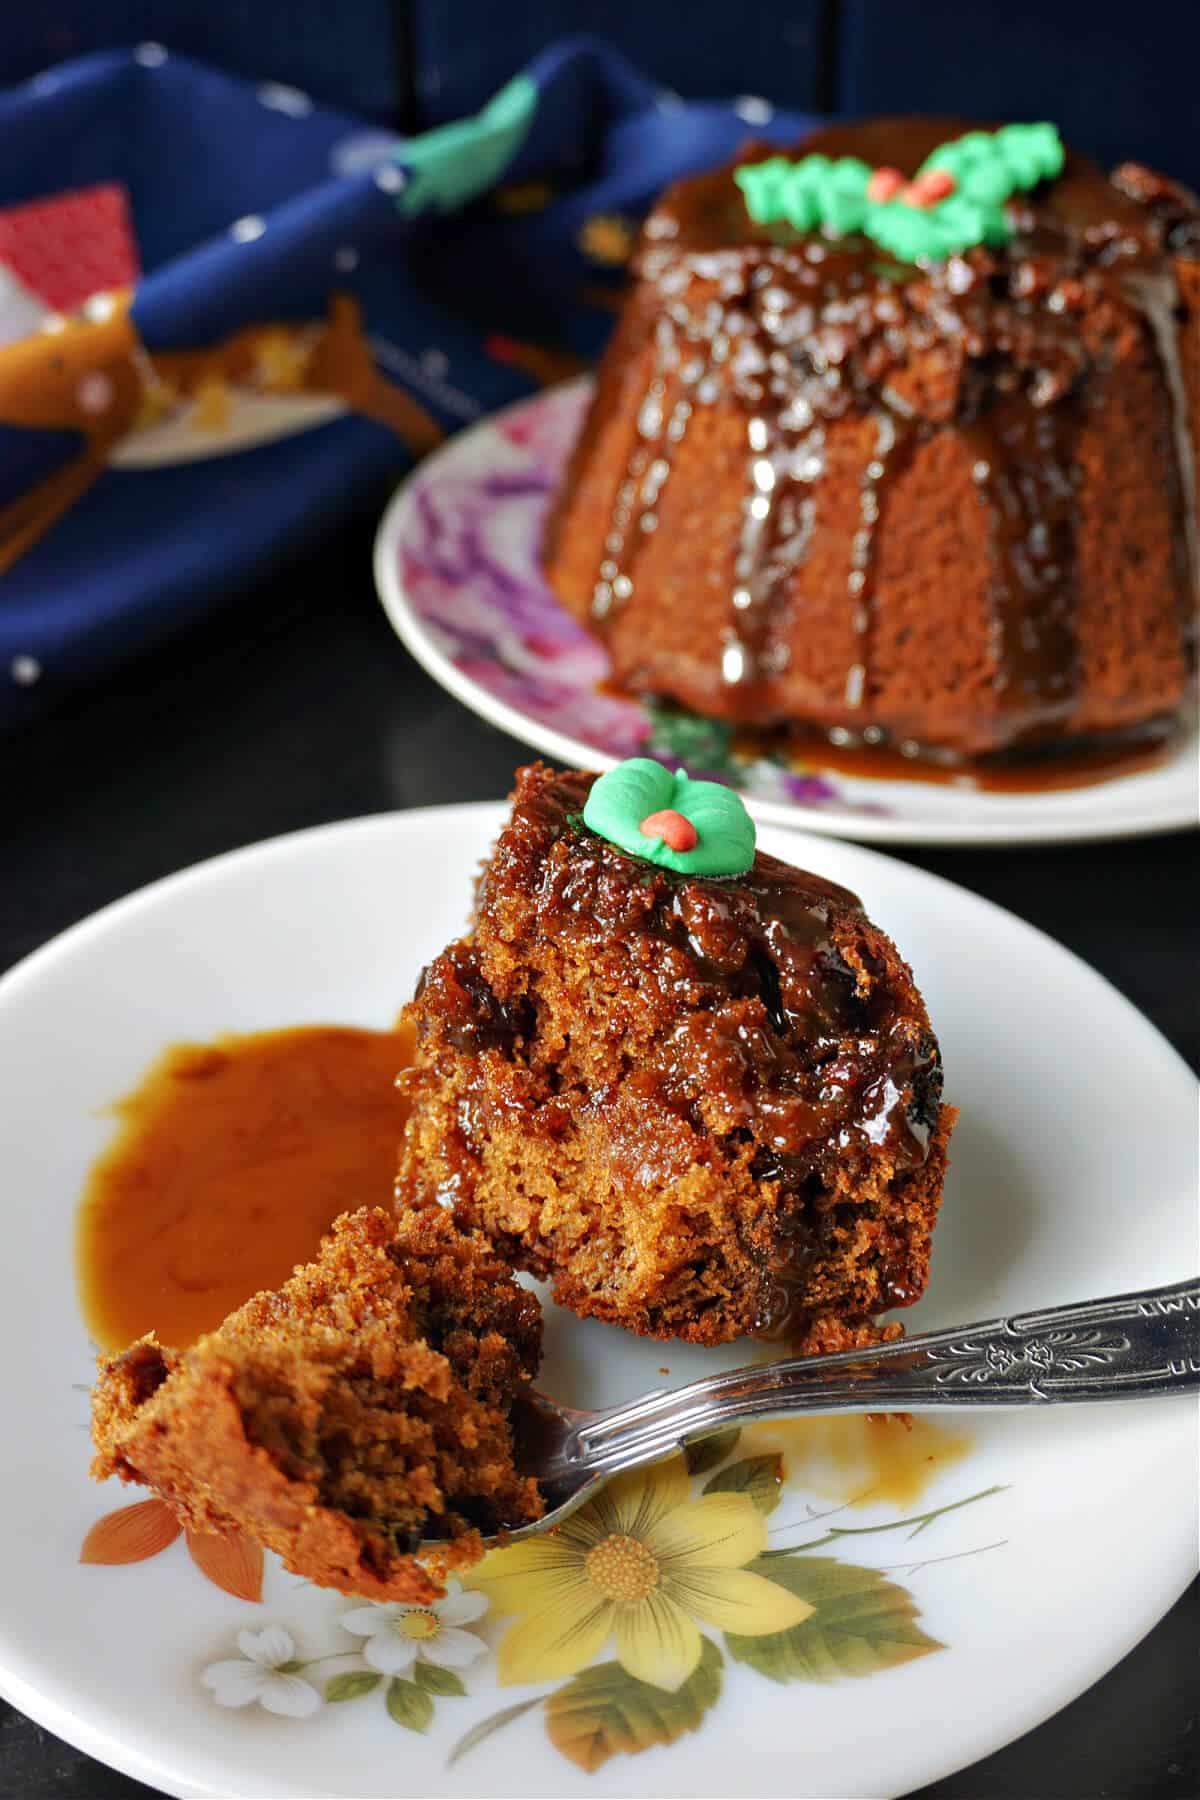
point(296, 706)
point(1118, 78)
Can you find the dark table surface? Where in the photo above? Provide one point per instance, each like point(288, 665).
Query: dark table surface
point(297, 706)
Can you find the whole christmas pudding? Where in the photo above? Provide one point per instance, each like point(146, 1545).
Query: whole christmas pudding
point(895, 442)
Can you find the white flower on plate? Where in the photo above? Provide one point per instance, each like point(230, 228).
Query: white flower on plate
point(265, 1672)
point(396, 1635)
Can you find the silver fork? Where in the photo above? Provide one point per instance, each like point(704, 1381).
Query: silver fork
point(1130, 1347)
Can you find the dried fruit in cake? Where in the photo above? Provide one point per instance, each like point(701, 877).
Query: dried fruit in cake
point(701, 1105)
point(361, 1409)
point(909, 460)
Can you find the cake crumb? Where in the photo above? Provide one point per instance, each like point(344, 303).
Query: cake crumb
point(701, 1107)
point(355, 1417)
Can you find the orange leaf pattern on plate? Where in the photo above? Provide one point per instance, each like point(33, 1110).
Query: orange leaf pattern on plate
point(232, 1562)
point(131, 1534)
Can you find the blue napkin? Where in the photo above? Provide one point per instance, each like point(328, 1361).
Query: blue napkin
point(321, 303)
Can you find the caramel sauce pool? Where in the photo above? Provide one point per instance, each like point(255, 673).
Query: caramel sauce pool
point(229, 1162)
point(231, 1159)
point(1044, 774)
point(856, 1459)
point(1047, 771)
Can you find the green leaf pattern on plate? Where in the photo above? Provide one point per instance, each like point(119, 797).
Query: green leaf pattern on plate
point(760, 1477)
point(861, 1623)
point(707, 1452)
point(409, 1704)
point(443, 1682)
point(604, 1711)
point(351, 1685)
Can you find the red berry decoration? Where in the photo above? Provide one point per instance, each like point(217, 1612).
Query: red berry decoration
point(929, 188)
point(676, 832)
point(884, 185)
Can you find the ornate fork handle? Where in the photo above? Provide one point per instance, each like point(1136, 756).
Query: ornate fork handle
point(1129, 1347)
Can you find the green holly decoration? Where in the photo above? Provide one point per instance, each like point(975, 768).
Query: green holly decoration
point(639, 789)
point(990, 165)
point(814, 191)
point(831, 194)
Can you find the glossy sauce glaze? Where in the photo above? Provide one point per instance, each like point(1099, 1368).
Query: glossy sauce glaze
point(831, 1066)
point(229, 1162)
point(870, 757)
point(810, 1062)
point(796, 332)
point(754, 1026)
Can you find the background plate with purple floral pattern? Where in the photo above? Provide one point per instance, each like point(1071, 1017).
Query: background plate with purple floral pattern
point(456, 563)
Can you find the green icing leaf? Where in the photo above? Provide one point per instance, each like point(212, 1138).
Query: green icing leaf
point(987, 166)
point(443, 1682)
point(1033, 153)
point(604, 1711)
point(707, 1452)
point(763, 186)
point(409, 1705)
point(761, 1477)
point(811, 192)
point(351, 1685)
point(935, 232)
point(621, 799)
point(453, 163)
point(983, 160)
point(987, 184)
point(862, 1623)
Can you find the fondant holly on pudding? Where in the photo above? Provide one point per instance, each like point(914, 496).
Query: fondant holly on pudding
point(694, 827)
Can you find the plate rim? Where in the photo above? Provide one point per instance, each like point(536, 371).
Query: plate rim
point(98, 1736)
point(828, 821)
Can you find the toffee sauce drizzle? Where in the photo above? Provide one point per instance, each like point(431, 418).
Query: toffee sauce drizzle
point(827, 1075)
point(798, 332)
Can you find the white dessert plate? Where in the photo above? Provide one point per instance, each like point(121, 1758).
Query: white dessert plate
point(897, 1638)
point(456, 565)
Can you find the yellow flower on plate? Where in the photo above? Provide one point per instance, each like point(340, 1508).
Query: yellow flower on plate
point(642, 1563)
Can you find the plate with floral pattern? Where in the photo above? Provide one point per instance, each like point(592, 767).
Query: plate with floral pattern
point(822, 1607)
point(457, 568)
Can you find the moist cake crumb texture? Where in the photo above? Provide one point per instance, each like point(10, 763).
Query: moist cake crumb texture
point(701, 1107)
point(361, 1408)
